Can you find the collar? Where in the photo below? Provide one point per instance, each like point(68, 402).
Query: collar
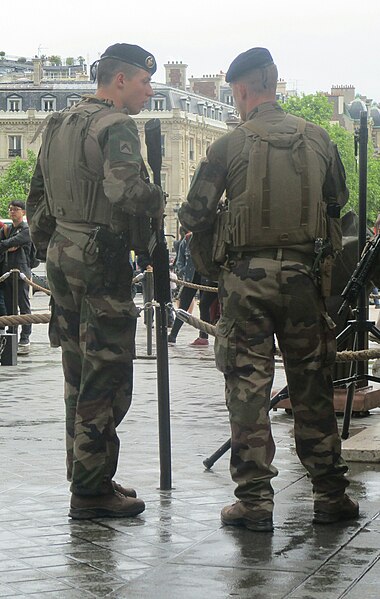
point(95, 100)
point(263, 108)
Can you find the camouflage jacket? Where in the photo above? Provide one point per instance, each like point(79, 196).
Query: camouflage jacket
point(124, 183)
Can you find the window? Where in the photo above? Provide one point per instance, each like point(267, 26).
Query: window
point(163, 181)
point(14, 146)
point(14, 104)
point(48, 104)
point(158, 103)
point(163, 145)
point(191, 148)
point(72, 100)
point(229, 100)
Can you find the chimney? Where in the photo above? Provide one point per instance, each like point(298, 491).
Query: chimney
point(37, 71)
point(175, 74)
point(208, 85)
point(347, 91)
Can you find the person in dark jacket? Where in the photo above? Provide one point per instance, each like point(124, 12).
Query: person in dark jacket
point(186, 270)
point(15, 244)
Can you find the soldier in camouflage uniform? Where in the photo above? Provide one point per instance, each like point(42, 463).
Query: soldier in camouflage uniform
point(87, 182)
point(266, 291)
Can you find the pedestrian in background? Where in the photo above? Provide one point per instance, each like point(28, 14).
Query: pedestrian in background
point(186, 271)
point(15, 245)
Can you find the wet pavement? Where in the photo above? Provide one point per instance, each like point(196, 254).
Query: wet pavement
point(177, 547)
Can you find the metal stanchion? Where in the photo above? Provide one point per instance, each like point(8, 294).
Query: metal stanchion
point(8, 341)
point(14, 274)
point(148, 310)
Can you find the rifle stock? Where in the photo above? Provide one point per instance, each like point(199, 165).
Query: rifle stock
point(160, 259)
point(158, 246)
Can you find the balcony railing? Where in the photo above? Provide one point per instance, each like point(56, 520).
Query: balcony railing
point(14, 153)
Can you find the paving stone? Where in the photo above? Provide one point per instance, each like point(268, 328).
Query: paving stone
point(177, 547)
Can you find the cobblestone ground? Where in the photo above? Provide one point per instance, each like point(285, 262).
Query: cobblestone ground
point(177, 547)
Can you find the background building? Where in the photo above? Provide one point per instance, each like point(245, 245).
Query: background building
point(193, 113)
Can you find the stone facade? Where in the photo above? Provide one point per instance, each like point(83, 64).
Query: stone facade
point(190, 122)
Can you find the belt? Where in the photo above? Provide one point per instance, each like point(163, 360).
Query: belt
point(275, 254)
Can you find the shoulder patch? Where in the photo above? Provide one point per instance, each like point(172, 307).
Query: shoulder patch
point(125, 147)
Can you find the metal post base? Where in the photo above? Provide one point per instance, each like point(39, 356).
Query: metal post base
point(9, 354)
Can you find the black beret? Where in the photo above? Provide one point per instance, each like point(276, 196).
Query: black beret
point(132, 54)
point(255, 58)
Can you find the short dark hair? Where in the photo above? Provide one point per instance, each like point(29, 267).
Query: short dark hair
point(17, 203)
point(108, 67)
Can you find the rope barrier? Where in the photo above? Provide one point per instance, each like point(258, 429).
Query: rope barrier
point(33, 284)
point(344, 356)
point(5, 276)
point(194, 286)
point(197, 323)
point(14, 319)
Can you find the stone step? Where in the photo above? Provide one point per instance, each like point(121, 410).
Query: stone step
point(365, 399)
point(363, 446)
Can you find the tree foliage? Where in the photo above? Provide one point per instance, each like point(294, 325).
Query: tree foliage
point(313, 107)
point(317, 109)
point(15, 181)
point(55, 60)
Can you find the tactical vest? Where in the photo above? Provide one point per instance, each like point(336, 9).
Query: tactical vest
point(282, 204)
point(72, 165)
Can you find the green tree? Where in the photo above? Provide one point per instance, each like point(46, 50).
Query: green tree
point(69, 61)
point(55, 60)
point(313, 107)
point(15, 181)
point(21, 59)
point(2, 55)
point(81, 60)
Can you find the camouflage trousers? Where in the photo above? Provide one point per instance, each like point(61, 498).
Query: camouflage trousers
point(96, 329)
point(261, 298)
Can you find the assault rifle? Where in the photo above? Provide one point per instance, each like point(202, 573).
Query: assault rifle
point(362, 273)
point(160, 259)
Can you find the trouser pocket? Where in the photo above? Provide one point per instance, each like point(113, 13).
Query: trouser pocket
point(225, 345)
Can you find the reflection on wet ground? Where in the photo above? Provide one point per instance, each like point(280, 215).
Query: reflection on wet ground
point(176, 548)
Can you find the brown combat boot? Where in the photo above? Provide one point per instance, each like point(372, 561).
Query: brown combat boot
point(126, 491)
point(114, 505)
point(326, 512)
point(241, 513)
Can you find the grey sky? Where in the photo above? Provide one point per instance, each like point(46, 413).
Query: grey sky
point(314, 44)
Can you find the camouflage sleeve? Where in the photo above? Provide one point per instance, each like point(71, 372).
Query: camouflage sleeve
point(338, 176)
point(198, 212)
point(122, 183)
point(41, 222)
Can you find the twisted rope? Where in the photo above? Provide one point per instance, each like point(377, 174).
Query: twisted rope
point(344, 356)
point(5, 276)
point(14, 319)
point(33, 284)
point(194, 286)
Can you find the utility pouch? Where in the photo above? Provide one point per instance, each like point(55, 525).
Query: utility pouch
point(325, 273)
point(221, 238)
point(112, 248)
point(139, 233)
point(335, 233)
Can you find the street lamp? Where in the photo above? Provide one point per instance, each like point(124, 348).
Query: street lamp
point(176, 210)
